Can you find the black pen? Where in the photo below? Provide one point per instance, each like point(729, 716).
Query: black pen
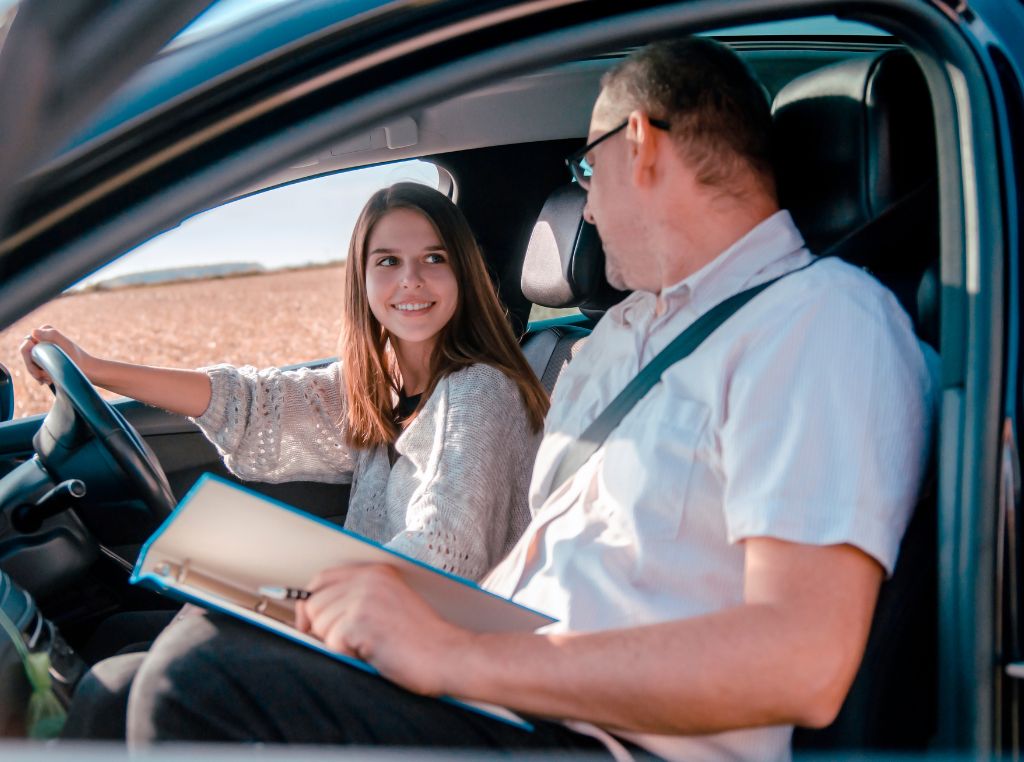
point(278, 593)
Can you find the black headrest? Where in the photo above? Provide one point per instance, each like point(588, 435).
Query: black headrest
point(564, 264)
point(856, 167)
point(852, 139)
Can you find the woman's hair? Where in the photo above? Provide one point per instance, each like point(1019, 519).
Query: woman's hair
point(478, 332)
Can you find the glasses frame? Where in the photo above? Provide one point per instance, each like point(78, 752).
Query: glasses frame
point(574, 160)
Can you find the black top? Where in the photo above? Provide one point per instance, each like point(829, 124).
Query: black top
point(406, 406)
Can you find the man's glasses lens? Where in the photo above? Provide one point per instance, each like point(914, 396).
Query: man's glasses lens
point(582, 171)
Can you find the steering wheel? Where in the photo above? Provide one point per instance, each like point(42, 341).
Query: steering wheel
point(82, 428)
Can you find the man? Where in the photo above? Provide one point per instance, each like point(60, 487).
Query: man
point(715, 565)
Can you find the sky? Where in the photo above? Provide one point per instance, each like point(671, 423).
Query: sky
point(302, 223)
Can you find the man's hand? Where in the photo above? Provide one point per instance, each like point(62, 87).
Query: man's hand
point(369, 612)
point(785, 655)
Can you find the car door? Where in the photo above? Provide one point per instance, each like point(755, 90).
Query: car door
point(374, 79)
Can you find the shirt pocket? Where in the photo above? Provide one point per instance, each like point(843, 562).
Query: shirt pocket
point(649, 466)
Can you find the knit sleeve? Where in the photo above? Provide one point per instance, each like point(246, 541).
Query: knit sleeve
point(465, 517)
point(273, 425)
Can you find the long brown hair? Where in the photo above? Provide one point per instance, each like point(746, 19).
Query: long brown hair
point(478, 332)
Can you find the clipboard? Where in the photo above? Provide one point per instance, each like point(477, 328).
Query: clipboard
point(224, 541)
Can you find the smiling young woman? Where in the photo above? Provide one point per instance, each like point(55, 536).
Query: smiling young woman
point(432, 412)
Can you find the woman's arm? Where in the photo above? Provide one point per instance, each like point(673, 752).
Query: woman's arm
point(185, 392)
point(279, 425)
point(271, 425)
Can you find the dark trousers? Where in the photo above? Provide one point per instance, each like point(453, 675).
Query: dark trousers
point(209, 677)
point(116, 650)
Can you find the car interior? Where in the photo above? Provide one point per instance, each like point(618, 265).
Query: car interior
point(857, 166)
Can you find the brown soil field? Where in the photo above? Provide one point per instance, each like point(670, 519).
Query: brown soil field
point(262, 320)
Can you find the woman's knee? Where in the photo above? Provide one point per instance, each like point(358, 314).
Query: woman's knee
point(172, 675)
point(196, 680)
point(211, 678)
point(100, 702)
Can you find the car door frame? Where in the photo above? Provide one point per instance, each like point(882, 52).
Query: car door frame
point(973, 194)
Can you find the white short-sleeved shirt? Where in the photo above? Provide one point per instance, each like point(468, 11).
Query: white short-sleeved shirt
point(806, 417)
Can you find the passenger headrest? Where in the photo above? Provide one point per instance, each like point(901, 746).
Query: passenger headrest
point(852, 139)
point(564, 264)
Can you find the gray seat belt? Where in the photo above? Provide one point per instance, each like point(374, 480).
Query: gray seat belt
point(680, 347)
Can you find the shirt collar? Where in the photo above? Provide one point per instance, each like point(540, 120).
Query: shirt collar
point(760, 250)
point(738, 267)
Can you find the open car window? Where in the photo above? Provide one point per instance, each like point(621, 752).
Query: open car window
point(256, 281)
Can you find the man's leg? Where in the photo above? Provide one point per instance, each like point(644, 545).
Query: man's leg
point(209, 677)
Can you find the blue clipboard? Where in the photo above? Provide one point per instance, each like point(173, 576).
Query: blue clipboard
point(224, 541)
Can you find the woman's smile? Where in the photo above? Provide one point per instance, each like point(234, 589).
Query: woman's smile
point(413, 308)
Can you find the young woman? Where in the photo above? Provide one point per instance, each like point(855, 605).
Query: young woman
point(432, 412)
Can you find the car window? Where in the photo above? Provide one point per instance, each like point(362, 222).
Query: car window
point(256, 281)
point(537, 312)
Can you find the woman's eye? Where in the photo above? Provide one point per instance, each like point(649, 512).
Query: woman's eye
point(436, 258)
point(387, 261)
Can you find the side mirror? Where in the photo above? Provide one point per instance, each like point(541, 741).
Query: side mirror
point(6, 394)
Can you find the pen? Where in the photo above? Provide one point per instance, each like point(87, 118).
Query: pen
point(278, 593)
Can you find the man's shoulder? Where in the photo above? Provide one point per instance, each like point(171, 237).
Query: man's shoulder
point(835, 289)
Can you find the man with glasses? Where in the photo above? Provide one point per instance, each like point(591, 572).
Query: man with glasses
point(715, 564)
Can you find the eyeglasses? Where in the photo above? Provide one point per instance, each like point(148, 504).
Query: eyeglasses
point(582, 170)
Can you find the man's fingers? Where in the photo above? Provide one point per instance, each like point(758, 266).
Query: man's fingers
point(342, 639)
point(326, 605)
point(301, 617)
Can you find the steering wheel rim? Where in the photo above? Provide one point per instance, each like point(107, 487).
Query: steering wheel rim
point(109, 428)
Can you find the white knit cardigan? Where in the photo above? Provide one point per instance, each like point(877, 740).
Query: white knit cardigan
point(456, 496)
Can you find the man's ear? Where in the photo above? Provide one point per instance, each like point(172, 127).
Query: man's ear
point(643, 141)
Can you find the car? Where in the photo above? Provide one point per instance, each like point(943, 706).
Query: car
point(901, 148)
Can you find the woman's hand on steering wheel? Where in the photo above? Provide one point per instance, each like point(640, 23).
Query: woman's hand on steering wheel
point(48, 333)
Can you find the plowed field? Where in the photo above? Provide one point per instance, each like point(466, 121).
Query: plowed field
point(269, 319)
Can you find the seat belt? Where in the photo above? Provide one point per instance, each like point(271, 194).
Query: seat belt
point(680, 347)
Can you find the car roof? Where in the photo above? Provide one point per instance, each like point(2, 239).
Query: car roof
point(550, 104)
point(204, 54)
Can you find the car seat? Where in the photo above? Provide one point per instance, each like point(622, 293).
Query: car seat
point(856, 167)
point(563, 267)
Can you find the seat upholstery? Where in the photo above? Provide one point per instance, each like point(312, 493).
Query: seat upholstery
point(564, 267)
point(856, 168)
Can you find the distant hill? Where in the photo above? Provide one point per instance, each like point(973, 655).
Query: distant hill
point(172, 274)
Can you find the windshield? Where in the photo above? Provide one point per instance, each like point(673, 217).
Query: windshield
point(817, 26)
